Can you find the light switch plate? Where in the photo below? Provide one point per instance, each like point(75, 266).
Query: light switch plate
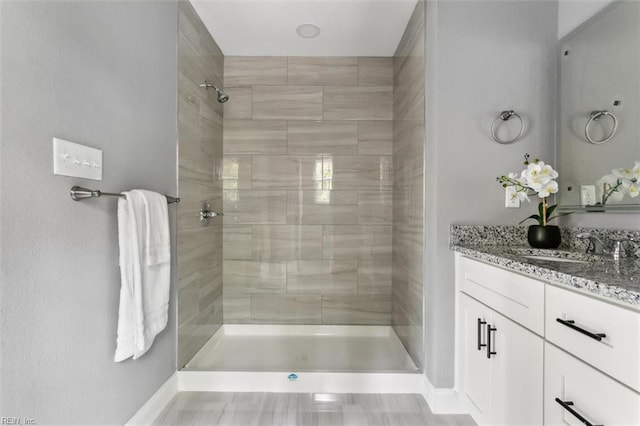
point(511, 201)
point(587, 195)
point(72, 159)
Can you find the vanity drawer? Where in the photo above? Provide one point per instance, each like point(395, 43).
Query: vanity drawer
point(617, 353)
point(587, 392)
point(517, 297)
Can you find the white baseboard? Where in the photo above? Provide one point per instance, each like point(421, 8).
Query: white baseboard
point(158, 401)
point(442, 400)
point(243, 381)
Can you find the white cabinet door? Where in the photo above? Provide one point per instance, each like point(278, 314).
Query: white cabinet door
point(516, 373)
point(501, 384)
point(475, 367)
point(586, 393)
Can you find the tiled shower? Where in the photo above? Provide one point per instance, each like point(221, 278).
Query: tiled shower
point(317, 166)
point(308, 185)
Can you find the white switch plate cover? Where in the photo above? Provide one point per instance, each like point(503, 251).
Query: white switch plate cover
point(72, 159)
point(587, 195)
point(510, 201)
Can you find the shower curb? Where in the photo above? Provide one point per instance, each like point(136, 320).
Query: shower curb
point(304, 382)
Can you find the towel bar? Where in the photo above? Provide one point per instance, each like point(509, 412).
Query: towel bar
point(79, 193)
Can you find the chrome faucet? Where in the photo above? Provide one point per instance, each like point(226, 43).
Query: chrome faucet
point(597, 246)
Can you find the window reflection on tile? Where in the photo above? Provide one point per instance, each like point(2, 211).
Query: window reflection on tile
point(324, 178)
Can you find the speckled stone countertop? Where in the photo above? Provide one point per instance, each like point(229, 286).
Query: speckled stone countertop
point(503, 246)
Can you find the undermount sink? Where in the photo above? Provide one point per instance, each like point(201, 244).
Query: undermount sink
point(555, 259)
point(560, 256)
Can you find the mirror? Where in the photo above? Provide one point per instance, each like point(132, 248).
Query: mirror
point(599, 112)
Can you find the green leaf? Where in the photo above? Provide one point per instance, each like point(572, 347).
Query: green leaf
point(540, 212)
point(550, 210)
point(533, 216)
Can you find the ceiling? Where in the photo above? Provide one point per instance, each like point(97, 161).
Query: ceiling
point(268, 27)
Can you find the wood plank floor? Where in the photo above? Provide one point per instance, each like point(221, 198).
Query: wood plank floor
point(303, 409)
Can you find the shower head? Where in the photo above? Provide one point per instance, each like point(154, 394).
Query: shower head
point(222, 97)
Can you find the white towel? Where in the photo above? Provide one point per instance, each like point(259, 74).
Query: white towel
point(145, 267)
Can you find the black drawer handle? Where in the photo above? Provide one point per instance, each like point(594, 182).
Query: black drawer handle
point(571, 324)
point(480, 324)
point(489, 351)
point(567, 406)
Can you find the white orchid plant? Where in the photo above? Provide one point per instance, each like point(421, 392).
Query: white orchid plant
point(619, 183)
point(538, 178)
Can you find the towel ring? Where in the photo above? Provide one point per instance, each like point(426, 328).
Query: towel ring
point(595, 116)
point(505, 116)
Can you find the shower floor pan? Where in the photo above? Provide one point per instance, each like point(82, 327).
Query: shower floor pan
point(302, 358)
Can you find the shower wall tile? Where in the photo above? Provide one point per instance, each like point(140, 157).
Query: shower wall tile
point(358, 103)
point(236, 241)
point(200, 140)
point(374, 276)
point(322, 207)
point(361, 172)
point(408, 186)
point(237, 307)
point(241, 107)
point(360, 309)
point(375, 137)
point(322, 137)
point(248, 276)
point(375, 71)
point(189, 98)
point(323, 71)
point(366, 242)
point(308, 178)
point(247, 71)
point(195, 66)
point(255, 137)
point(211, 122)
point(322, 276)
point(286, 172)
point(246, 206)
point(286, 309)
point(375, 207)
point(287, 103)
point(286, 242)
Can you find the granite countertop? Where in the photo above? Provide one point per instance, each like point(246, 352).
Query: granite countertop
point(602, 276)
point(505, 246)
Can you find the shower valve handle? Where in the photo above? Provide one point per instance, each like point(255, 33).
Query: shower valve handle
point(206, 213)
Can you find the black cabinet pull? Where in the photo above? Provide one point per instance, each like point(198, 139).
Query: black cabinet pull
point(489, 351)
point(480, 324)
point(567, 406)
point(572, 324)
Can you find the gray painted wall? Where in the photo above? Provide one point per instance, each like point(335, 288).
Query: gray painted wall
point(482, 57)
point(103, 74)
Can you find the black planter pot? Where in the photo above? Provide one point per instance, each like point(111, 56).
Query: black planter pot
point(544, 237)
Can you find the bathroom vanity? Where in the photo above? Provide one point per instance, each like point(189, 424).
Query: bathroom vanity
point(542, 341)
